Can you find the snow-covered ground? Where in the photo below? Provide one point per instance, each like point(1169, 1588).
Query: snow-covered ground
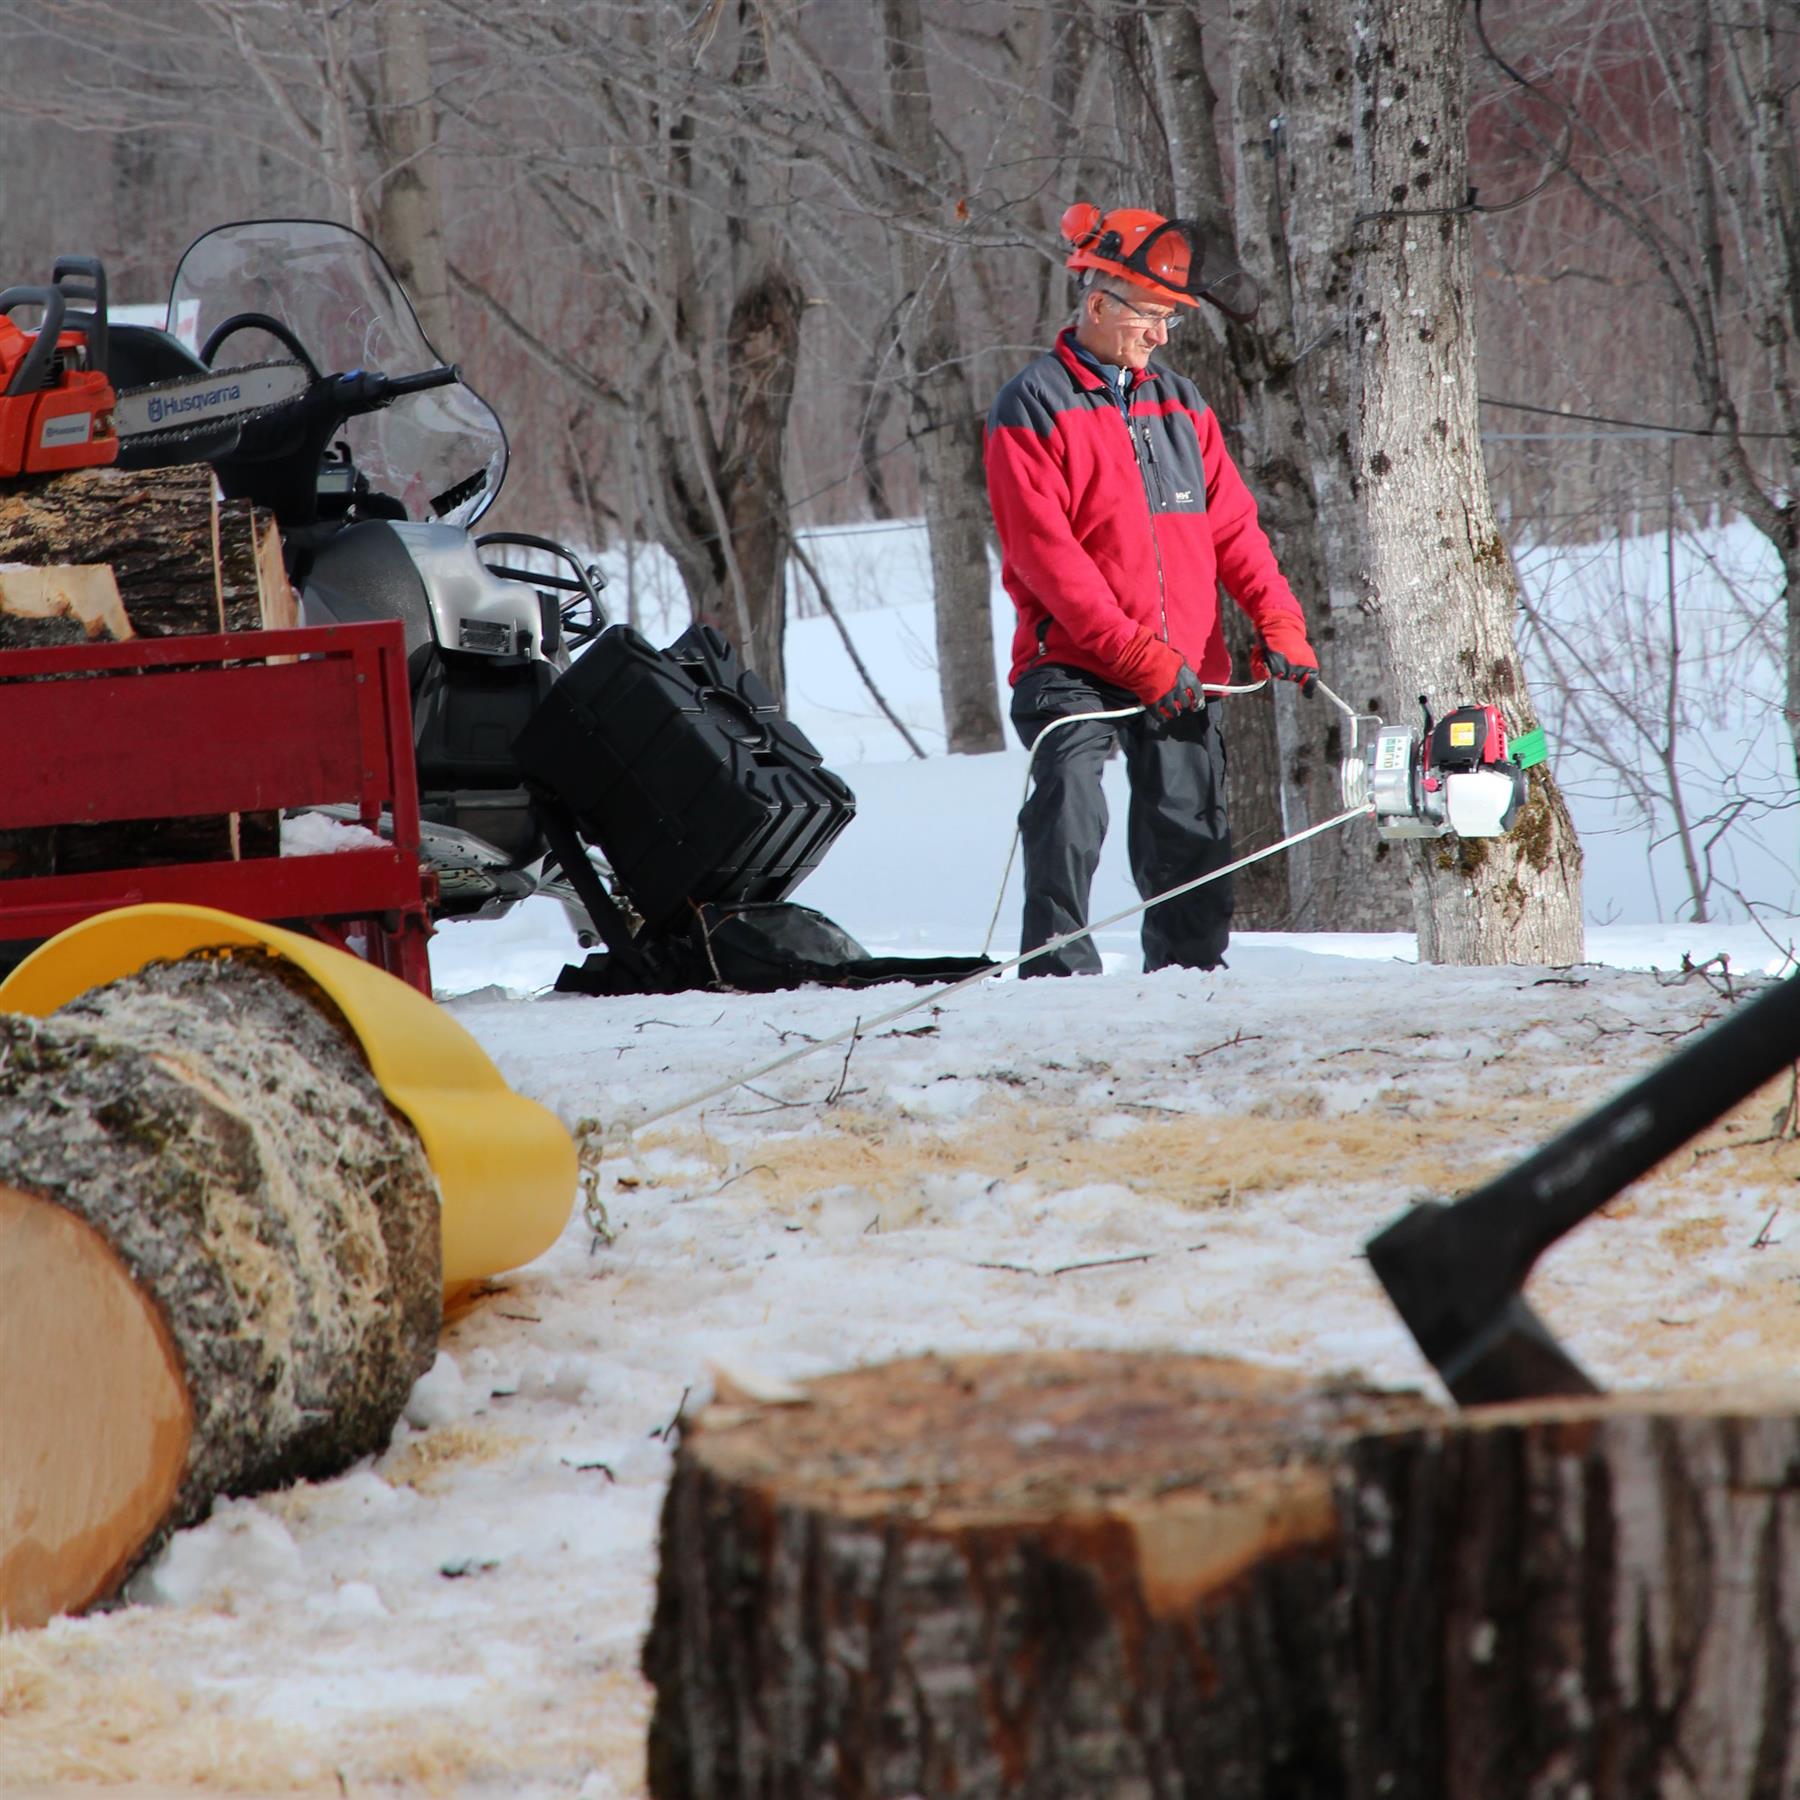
point(1182, 1160)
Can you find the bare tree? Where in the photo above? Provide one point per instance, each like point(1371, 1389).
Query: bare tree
point(408, 203)
point(1682, 139)
point(1440, 579)
point(1164, 113)
point(672, 225)
point(1294, 206)
point(946, 421)
point(1282, 403)
point(882, 153)
point(1661, 671)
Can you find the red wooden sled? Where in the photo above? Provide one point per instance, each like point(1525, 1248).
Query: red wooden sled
point(241, 722)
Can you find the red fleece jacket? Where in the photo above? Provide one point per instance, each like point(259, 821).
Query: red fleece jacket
point(1114, 537)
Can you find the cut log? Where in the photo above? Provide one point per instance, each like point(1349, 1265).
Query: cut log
point(182, 562)
point(254, 593)
point(80, 598)
point(219, 1264)
point(1075, 1575)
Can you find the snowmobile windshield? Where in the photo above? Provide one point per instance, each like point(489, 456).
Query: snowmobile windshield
point(440, 452)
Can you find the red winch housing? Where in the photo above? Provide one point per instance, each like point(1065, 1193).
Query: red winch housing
point(56, 402)
point(1471, 737)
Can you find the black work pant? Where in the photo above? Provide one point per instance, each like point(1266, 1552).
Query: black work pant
point(1176, 830)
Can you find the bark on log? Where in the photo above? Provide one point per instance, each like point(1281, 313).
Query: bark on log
point(1068, 1576)
point(221, 1264)
point(183, 562)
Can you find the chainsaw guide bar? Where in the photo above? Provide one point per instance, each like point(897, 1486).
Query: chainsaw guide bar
point(166, 412)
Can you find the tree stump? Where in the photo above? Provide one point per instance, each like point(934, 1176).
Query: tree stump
point(219, 1264)
point(182, 562)
point(1081, 1575)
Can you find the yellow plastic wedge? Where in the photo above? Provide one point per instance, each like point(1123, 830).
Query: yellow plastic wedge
point(504, 1164)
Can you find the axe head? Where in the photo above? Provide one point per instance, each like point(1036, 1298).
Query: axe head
point(1467, 1315)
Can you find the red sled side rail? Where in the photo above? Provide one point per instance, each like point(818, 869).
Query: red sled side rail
point(240, 722)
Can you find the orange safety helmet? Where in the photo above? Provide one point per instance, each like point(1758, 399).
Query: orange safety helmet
point(1171, 259)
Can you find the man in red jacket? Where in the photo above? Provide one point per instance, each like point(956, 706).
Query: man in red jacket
point(1120, 513)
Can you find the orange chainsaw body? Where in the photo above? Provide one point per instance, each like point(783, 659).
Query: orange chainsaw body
point(56, 403)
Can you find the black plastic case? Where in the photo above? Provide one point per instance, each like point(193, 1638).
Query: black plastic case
point(679, 765)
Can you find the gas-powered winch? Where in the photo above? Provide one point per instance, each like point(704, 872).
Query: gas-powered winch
point(1460, 773)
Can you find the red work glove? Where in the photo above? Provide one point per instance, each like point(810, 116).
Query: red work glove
point(1150, 668)
point(1281, 650)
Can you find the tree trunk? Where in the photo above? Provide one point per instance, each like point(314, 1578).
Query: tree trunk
point(182, 562)
point(1164, 97)
point(1347, 880)
point(221, 1259)
point(1084, 1574)
point(409, 207)
point(1253, 792)
point(945, 424)
point(1440, 577)
point(763, 352)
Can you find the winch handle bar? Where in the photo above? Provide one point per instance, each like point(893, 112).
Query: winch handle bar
point(1454, 1272)
point(444, 375)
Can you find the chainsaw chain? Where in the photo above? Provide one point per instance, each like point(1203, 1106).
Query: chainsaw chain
point(199, 434)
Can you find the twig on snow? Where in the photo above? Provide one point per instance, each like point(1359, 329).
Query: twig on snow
point(843, 631)
point(1230, 1043)
point(588, 1468)
point(1074, 1268)
point(837, 1093)
point(664, 1432)
point(735, 1175)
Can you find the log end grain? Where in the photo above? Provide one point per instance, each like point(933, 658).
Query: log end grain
point(94, 1413)
point(205, 1170)
point(1200, 1465)
point(1069, 1575)
point(82, 597)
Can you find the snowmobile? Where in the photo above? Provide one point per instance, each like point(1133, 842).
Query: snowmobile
point(294, 364)
point(661, 795)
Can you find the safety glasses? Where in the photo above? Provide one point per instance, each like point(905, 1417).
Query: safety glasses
point(1170, 321)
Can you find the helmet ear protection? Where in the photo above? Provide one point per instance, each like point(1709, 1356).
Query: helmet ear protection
point(1080, 224)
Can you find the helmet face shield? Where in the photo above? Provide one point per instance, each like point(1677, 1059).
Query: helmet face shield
point(1176, 260)
point(1183, 257)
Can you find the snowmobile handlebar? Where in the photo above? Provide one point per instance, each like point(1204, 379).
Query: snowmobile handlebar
point(278, 454)
point(444, 375)
point(364, 390)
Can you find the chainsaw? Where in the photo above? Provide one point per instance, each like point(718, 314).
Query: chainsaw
point(60, 408)
point(56, 403)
